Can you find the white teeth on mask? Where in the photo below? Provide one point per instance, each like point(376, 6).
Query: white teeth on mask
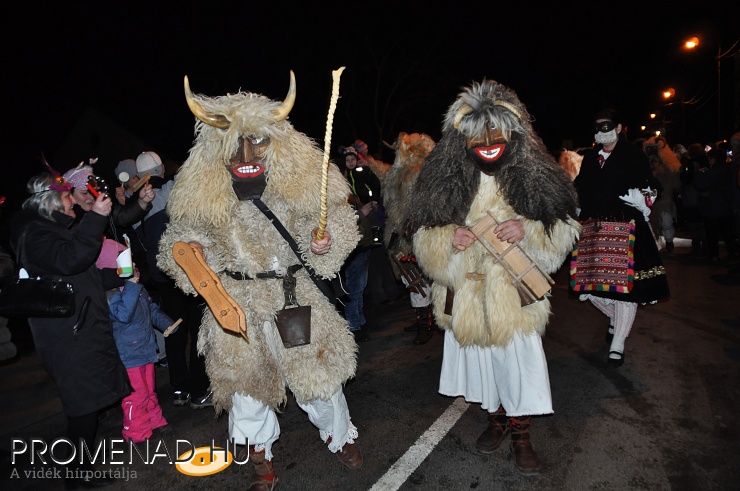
point(489, 154)
point(248, 169)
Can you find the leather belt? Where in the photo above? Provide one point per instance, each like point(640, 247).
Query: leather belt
point(238, 275)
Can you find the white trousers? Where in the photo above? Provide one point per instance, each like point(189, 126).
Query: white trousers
point(417, 299)
point(621, 314)
point(253, 423)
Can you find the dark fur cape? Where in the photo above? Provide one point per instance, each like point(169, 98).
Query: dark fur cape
point(531, 180)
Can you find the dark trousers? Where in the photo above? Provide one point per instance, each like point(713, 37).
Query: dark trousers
point(83, 428)
point(381, 282)
point(720, 227)
point(187, 369)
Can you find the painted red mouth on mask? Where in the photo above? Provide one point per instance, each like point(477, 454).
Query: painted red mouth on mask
point(492, 153)
point(246, 171)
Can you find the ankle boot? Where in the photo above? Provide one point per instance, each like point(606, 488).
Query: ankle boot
point(425, 325)
point(526, 459)
point(350, 456)
point(264, 474)
point(420, 316)
point(498, 428)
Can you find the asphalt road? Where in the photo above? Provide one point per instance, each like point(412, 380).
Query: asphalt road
point(663, 421)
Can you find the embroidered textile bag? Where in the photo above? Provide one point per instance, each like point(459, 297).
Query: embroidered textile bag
point(603, 258)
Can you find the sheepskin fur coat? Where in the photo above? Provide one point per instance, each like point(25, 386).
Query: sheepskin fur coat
point(237, 237)
point(411, 150)
point(451, 192)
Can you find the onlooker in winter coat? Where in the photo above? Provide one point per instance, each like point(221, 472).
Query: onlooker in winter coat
point(716, 187)
point(79, 352)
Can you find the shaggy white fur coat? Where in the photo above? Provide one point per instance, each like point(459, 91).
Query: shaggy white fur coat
point(236, 236)
point(488, 312)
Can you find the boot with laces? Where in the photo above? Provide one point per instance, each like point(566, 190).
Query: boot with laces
point(526, 459)
point(424, 325)
point(264, 474)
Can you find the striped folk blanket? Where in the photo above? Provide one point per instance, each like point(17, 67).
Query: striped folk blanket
point(603, 259)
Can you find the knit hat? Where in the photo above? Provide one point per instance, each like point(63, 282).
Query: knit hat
point(128, 166)
point(109, 253)
point(149, 162)
point(344, 151)
point(77, 177)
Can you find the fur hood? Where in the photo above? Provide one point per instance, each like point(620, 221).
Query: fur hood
point(531, 180)
point(293, 163)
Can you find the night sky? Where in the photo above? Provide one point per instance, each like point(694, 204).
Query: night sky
point(405, 62)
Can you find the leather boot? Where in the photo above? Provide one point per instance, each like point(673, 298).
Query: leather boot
point(415, 325)
point(264, 474)
point(498, 428)
point(424, 325)
point(526, 459)
point(350, 456)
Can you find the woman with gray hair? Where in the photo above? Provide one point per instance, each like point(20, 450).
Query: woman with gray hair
point(79, 352)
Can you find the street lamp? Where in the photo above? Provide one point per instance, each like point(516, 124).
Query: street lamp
point(669, 94)
point(655, 127)
point(693, 43)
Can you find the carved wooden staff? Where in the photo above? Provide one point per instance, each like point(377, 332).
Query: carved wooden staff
point(327, 146)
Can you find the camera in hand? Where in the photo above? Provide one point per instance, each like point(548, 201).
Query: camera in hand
point(96, 185)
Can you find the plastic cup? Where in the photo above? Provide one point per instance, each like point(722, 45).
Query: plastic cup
point(125, 264)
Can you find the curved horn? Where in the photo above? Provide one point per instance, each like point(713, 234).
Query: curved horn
point(216, 120)
point(464, 110)
point(282, 112)
point(510, 107)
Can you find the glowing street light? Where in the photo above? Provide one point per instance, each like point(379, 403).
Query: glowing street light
point(669, 94)
point(654, 126)
point(692, 43)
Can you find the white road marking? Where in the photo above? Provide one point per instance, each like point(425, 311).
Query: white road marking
point(414, 456)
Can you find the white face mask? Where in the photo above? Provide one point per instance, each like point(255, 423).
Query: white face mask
point(608, 137)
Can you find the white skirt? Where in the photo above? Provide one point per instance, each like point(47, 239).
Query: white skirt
point(515, 377)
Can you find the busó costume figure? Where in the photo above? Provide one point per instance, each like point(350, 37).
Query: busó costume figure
point(248, 161)
point(490, 161)
point(411, 150)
